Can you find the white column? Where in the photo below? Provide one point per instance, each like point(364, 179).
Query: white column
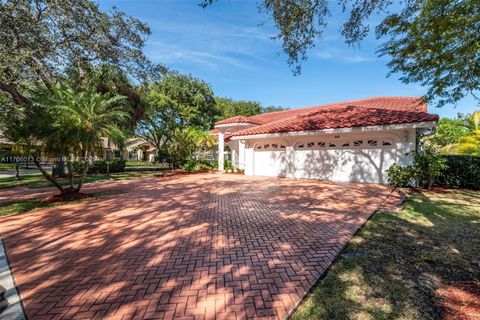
point(221, 151)
point(233, 148)
point(241, 155)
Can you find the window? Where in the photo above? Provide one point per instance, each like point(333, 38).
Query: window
point(346, 144)
point(322, 144)
point(358, 143)
point(386, 143)
point(372, 143)
point(310, 145)
point(270, 147)
point(331, 145)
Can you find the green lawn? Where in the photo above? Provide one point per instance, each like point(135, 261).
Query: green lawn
point(38, 181)
point(11, 166)
point(392, 267)
point(132, 163)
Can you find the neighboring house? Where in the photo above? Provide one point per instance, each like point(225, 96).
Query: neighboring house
point(140, 150)
point(135, 149)
point(5, 144)
point(355, 140)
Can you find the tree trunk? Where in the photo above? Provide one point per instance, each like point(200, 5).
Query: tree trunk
point(84, 172)
point(48, 177)
point(70, 172)
point(17, 171)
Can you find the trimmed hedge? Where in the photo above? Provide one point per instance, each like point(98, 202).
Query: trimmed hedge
point(100, 166)
point(462, 172)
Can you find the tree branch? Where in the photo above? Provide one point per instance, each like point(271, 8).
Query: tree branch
point(16, 96)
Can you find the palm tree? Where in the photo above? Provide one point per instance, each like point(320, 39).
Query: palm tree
point(469, 144)
point(81, 120)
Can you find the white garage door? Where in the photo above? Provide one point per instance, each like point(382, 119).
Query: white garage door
point(269, 160)
point(361, 160)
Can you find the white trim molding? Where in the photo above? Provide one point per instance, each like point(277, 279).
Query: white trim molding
point(426, 124)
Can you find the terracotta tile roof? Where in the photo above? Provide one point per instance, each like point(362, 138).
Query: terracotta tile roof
point(340, 117)
point(238, 119)
point(393, 103)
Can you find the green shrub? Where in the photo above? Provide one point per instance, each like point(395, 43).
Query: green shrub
point(190, 166)
point(198, 165)
point(117, 165)
point(100, 166)
point(228, 166)
point(78, 166)
point(400, 176)
point(427, 166)
point(461, 172)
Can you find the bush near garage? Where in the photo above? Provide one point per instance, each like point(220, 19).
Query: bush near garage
point(462, 172)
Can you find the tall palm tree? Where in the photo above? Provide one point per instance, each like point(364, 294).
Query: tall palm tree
point(81, 120)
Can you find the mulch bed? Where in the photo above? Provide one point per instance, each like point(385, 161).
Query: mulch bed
point(460, 301)
point(67, 197)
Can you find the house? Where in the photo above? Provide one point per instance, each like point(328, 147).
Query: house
point(139, 149)
point(135, 149)
point(354, 140)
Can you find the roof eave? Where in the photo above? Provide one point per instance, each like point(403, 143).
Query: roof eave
point(235, 124)
point(410, 125)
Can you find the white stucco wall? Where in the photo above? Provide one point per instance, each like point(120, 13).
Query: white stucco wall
point(336, 163)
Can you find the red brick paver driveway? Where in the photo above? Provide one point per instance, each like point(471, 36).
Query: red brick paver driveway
point(195, 247)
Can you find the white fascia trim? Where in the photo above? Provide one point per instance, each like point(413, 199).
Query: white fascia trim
point(426, 124)
point(239, 124)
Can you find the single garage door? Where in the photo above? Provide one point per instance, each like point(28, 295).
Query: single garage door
point(269, 160)
point(361, 160)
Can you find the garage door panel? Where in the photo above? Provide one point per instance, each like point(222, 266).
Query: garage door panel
point(270, 163)
point(270, 159)
point(355, 160)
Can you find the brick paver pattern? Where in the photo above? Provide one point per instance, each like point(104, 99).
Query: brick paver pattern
point(206, 246)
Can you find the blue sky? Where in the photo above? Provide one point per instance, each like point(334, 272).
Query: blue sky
point(227, 46)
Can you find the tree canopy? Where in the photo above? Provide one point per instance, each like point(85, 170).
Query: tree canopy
point(42, 39)
point(435, 43)
point(229, 108)
point(175, 103)
point(449, 130)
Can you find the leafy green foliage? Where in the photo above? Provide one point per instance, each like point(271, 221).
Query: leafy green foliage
point(42, 39)
point(198, 165)
point(448, 130)
point(64, 122)
point(435, 43)
point(460, 172)
point(190, 144)
point(175, 103)
point(468, 143)
point(431, 42)
point(100, 166)
point(428, 165)
point(399, 177)
point(113, 80)
point(228, 108)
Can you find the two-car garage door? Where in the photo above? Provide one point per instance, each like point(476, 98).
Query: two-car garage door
point(362, 160)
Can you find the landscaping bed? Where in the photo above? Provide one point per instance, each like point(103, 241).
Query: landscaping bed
point(420, 263)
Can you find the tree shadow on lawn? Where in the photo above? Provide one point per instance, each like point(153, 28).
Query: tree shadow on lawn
point(394, 267)
point(199, 245)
